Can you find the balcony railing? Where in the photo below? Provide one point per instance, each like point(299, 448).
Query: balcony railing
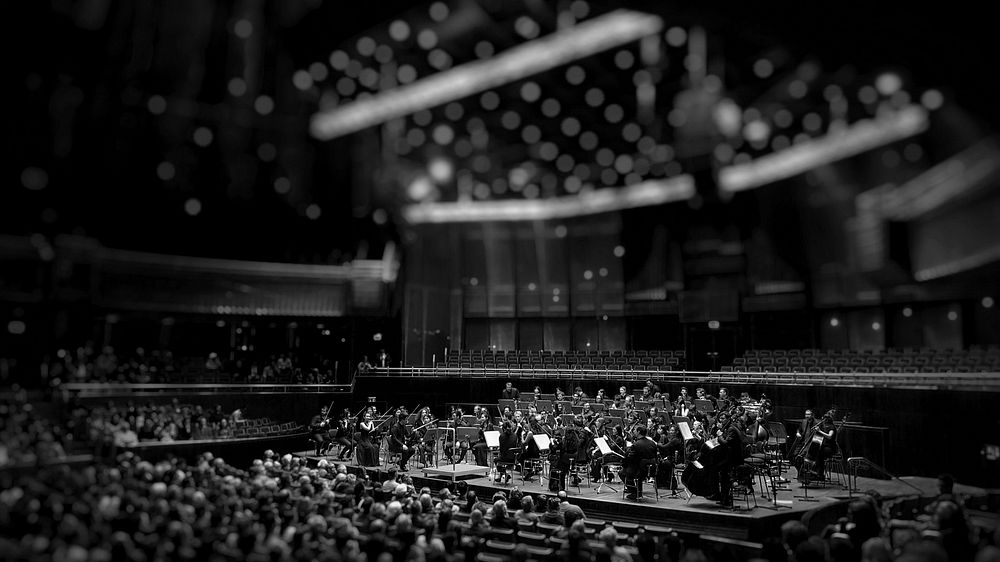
point(928, 381)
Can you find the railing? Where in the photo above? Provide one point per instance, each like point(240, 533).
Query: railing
point(926, 381)
point(87, 389)
point(857, 462)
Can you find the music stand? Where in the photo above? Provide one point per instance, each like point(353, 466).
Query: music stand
point(493, 444)
point(567, 419)
point(543, 443)
point(543, 405)
point(432, 434)
point(778, 436)
point(704, 405)
point(597, 407)
point(602, 444)
point(505, 403)
point(547, 397)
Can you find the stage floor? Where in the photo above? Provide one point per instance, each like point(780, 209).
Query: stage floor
point(696, 515)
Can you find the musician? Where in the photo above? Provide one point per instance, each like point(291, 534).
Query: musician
point(647, 394)
point(731, 436)
point(585, 441)
point(449, 448)
point(588, 414)
point(509, 448)
point(670, 452)
point(319, 428)
point(723, 402)
point(345, 434)
point(804, 427)
point(367, 454)
point(828, 431)
point(510, 392)
point(620, 397)
point(579, 397)
point(652, 386)
point(560, 395)
point(426, 440)
point(507, 414)
point(364, 366)
point(401, 440)
point(638, 457)
point(600, 398)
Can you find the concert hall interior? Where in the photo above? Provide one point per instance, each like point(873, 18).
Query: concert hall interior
point(500, 280)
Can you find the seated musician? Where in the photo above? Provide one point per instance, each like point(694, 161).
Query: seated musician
point(345, 434)
point(620, 397)
point(638, 457)
point(538, 393)
point(652, 386)
point(588, 414)
point(579, 397)
point(507, 414)
point(600, 398)
point(647, 394)
point(723, 402)
point(560, 395)
point(670, 451)
point(400, 438)
point(508, 451)
point(319, 429)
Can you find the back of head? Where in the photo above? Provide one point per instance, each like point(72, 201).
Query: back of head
point(793, 533)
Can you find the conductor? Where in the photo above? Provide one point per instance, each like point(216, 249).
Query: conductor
point(638, 457)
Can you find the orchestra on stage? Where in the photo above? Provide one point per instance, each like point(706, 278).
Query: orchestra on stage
point(698, 443)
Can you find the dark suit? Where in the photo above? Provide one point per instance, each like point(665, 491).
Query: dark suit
point(399, 436)
point(510, 394)
point(635, 467)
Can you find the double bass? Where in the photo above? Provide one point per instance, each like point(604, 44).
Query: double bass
point(704, 463)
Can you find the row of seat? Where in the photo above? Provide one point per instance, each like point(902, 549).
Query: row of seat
point(560, 353)
point(264, 428)
point(975, 350)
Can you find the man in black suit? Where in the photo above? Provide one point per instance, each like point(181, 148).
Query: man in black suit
point(509, 392)
point(399, 440)
point(635, 467)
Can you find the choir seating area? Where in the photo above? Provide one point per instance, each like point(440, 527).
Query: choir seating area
point(976, 359)
point(604, 360)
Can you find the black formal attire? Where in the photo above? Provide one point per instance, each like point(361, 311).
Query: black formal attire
point(367, 453)
point(319, 430)
point(399, 436)
point(635, 467)
point(511, 393)
point(732, 441)
point(344, 438)
point(671, 452)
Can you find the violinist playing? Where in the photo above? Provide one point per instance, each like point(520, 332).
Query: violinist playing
point(401, 439)
point(345, 434)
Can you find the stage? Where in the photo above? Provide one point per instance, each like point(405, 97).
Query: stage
point(688, 514)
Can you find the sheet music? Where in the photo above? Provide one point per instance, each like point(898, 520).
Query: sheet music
point(712, 443)
point(542, 440)
point(492, 438)
point(602, 444)
point(685, 430)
